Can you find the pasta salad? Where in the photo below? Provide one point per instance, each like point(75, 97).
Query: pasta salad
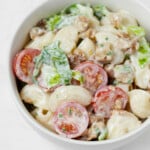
point(85, 73)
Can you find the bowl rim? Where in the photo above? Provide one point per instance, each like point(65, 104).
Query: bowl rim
point(33, 123)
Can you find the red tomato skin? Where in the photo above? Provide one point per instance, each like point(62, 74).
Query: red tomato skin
point(105, 100)
point(73, 128)
point(23, 64)
point(91, 71)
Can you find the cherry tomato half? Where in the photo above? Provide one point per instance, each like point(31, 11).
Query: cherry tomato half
point(23, 64)
point(94, 76)
point(71, 120)
point(107, 99)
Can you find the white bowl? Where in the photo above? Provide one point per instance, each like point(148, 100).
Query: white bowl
point(135, 7)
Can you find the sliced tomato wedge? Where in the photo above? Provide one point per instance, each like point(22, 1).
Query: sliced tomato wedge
point(107, 99)
point(94, 76)
point(23, 64)
point(71, 120)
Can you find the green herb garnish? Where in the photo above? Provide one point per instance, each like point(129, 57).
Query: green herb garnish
point(60, 115)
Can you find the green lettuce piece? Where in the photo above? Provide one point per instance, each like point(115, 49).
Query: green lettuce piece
point(100, 11)
point(54, 57)
point(57, 70)
point(59, 60)
point(144, 53)
point(139, 31)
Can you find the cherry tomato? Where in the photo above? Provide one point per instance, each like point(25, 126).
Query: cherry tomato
point(71, 119)
point(93, 74)
point(107, 99)
point(23, 64)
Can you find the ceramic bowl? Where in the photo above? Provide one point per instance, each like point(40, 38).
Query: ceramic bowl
point(135, 7)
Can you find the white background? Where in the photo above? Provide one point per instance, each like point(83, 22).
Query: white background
point(15, 133)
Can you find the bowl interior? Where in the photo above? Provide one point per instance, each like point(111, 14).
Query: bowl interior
point(136, 8)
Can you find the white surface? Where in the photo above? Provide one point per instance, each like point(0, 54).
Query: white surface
point(15, 133)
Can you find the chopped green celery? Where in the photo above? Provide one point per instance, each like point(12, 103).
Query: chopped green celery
point(54, 80)
point(78, 76)
point(59, 21)
point(103, 134)
point(143, 53)
point(138, 31)
point(53, 22)
point(49, 76)
point(100, 11)
point(143, 61)
point(144, 46)
point(65, 21)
